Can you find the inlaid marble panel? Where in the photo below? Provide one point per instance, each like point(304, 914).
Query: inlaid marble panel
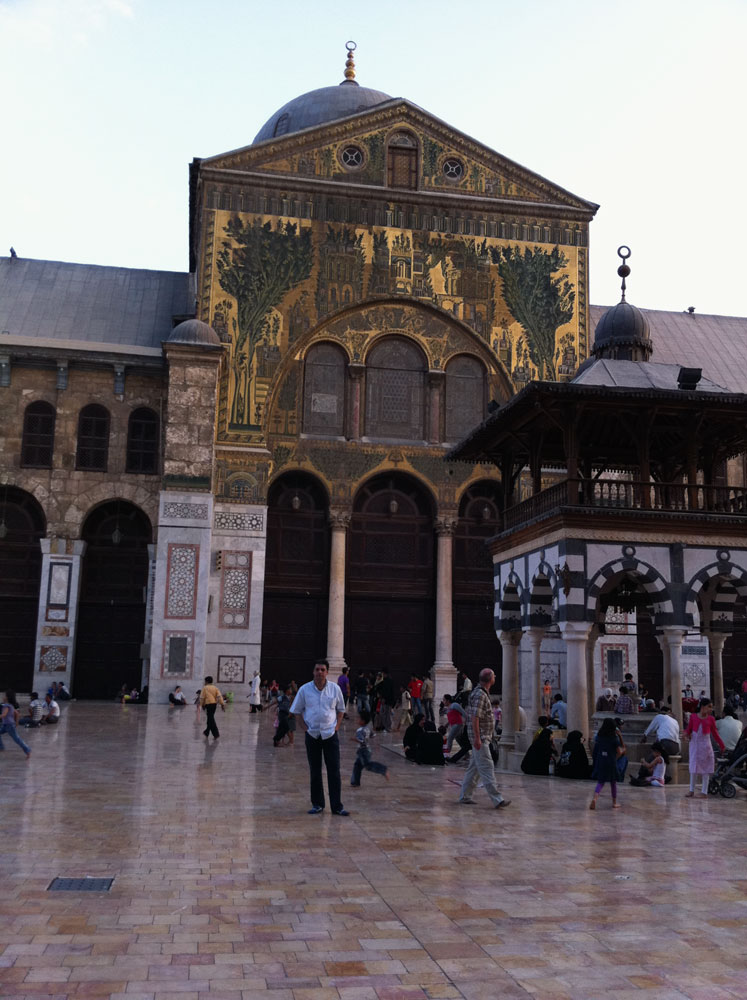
point(181, 581)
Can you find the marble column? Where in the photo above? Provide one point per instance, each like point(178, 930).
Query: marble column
point(674, 635)
point(575, 636)
point(666, 667)
point(444, 672)
point(510, 688)
point(591, 686)
point(716, 641)
point(57, 620)
point(535, 636)
point(339, 521)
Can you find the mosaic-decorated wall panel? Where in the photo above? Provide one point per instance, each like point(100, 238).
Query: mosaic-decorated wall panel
point(271, 280)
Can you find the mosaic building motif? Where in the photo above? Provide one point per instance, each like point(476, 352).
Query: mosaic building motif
point(181, 582)
point(186, 511)
point(236, 579)
point(53, 659)
point(520, 300)
point(238, 522)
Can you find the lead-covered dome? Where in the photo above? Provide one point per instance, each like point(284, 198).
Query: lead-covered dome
point(194, 331)
point(326, 104)
point(623, 332)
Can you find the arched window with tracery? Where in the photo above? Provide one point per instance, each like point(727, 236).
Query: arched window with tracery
point(93, 438)
point(143, 439)
point(395, 391)
point(324, 391)
point(37, 447)
point(465, 396)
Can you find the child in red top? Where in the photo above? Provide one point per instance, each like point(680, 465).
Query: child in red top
point(700, 729)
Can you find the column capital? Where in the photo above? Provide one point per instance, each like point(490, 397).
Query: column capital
point(339, 519)
point(716, 639)
point(56, 546)
point(356, 369)
point(674, 634)
point(436, 376)
point(512, 638)
point(445, 525)
point(576, 631)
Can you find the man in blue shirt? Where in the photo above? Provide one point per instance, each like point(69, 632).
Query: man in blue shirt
point(321, 706)
point(559, 712)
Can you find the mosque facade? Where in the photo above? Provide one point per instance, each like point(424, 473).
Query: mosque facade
point(243, 467)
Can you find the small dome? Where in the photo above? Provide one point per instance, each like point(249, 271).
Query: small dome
point(193, 331)
point(623, 332)
point(326, 104)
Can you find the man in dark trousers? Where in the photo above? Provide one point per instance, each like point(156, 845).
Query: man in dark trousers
point(210, 698)
point(322, 707)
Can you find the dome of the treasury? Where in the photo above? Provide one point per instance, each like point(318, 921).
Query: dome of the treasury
point(193, 331)
point(327, 104)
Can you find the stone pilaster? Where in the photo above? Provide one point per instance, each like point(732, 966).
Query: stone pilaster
point(57, 620)
point(235, 594)
point(180, 607)
point(339, 521)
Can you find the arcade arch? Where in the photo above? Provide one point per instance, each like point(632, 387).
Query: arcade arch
point(22, 526)
point(111, 610)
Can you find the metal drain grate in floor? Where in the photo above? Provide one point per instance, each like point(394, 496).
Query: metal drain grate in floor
point(80, 884)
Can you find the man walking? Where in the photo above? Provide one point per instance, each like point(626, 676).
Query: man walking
point(322, 707)
point(210, 698)
point(481, 725)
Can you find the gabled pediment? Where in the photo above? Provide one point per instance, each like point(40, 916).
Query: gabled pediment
point(353, 151)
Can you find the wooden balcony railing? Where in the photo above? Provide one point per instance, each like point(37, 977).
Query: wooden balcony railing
point(621, 494)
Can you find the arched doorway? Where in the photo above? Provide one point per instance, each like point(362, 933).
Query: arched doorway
point(390, 606)
point(476, 644)
point(111, 611)
point(294, 620)
point(22, 525)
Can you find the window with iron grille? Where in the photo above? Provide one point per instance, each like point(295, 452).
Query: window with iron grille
point(143, 439)
point(93, 438)
point(395, 391)
point(465, 396)
point(37, 446)
point(324, 391)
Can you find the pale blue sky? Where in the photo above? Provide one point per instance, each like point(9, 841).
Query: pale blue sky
point(638, 106)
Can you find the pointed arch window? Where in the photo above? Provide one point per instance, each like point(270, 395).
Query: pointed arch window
point(37, 447)
point(93, 439)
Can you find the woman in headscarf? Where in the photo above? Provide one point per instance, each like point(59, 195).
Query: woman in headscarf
point(540, 753)
point(606, 701)
point(573, 761)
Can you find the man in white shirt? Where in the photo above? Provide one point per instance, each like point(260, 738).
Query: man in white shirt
point(729, 729)
point(321, 705)
point(51, 711)
point(666, 730)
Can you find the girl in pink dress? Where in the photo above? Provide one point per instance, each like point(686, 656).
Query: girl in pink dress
point(700, 729)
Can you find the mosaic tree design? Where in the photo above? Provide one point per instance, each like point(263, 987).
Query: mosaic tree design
point(536, 299)
point(257, 265)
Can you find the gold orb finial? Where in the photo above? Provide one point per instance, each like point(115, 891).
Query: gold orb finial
point(349, 63)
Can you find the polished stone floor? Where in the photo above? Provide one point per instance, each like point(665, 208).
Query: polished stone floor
point(225, 887)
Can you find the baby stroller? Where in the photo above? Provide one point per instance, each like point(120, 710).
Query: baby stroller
point(730, 771)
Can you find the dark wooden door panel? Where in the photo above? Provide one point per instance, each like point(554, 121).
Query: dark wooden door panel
point(294, 633)
point(107, 653)
point(475, 643)
point(17, 642)
point(398, 634)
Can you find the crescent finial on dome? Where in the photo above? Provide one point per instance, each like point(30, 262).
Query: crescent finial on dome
point(350, 64)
